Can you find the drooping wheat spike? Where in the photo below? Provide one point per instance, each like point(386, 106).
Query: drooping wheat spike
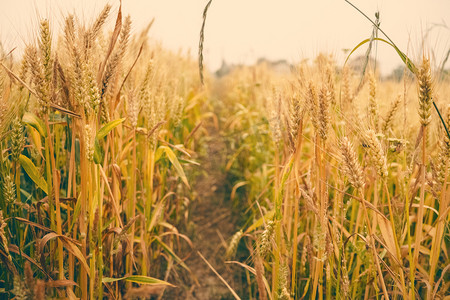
point(446, 137)
point(97, 26)
point(2, 80)
point(17, 139)
point(65, 85)
point(45, 47)
point(9, 189)
point(442, 162)
point(201, 40)
point(425, 103)
point(351, 165)
point(38, 78)
point(77, 67)
point(440, 167)
point(425, 92)
point(114, 63)
point(178, 106)
point(323, 113)
point(4, 124)
point(266, 238)
point(133, 109)
point(24, 70)
point(3, 224)
point(93, 93)
point(4, 246)
point(145, 93)
point(345, 279)
point(296, 112)
point(310, 203)
point(232, 247)
point(391, 113)
point(313, 105)
point(79, 85)
point(373, 105)
point(124, 35)
point(104, 112)
point(282, 282)
point(376, 152)
point(69, 33)
point(88, 36)
point(86, 92)
point(161, 105)
point(3, 111)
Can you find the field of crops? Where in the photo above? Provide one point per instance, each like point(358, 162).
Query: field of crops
point(123, 176)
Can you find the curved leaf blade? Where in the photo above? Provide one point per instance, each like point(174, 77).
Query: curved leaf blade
point(34, 121)
point(138, 279)
point(98, 150)
point(174, 256)
point(99, 153)
point(68, 244)
point(176, 164)
point(268, 216)
point(33, 172)
point(402, 55)
point(108, 127)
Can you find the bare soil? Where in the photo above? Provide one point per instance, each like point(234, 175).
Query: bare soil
point(213, 226)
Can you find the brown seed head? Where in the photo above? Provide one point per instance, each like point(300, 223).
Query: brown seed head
point(376, 152)
point(425, 92)
point(390, 116)
point(351, 165)
point(373, 106)
point(324, 115)
point(232, 248)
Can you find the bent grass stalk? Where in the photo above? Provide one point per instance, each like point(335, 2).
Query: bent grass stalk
point(425, 98)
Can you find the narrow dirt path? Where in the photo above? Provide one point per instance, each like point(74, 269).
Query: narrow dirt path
point(214, 224)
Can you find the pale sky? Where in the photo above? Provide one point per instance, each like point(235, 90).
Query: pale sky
point(241, 31)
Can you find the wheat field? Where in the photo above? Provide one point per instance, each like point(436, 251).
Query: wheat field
point(125, 174)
